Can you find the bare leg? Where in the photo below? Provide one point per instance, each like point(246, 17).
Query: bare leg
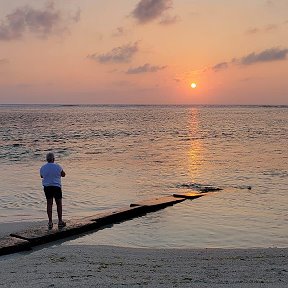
point(59, 209)
point(49, 209)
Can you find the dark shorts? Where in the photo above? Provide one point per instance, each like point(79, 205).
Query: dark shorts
point(53, 192)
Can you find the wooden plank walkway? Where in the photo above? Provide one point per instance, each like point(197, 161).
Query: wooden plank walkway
point(158, 203)
point(25, 240)
point(42, 235)
point(9, 245)
point(189, 195)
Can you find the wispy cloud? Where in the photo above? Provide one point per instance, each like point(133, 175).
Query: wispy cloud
point(39, 22)
point(270, 28)
point(4, 61)
point(220, 66)
point(266, 29)
point(247, 79)
point(269, 55)
point(148, 10)
point(269, 2)
point(119, 32)
point(77, 16)
point(169, 20)
point(146, 68)
point(252, 31)
point(116, 55)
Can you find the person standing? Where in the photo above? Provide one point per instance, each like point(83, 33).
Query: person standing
point(51, 174)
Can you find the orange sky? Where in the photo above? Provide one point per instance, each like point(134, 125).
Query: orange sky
point(144, 51)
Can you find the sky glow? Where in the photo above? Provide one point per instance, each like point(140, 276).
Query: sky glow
point(144, 52)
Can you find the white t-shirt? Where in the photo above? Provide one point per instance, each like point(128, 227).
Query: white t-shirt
point(51, 173)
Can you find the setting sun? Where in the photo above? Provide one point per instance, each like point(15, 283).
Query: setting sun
point(193, 85)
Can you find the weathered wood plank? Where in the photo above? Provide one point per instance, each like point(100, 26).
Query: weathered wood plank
point(9, 245)
point(118, 215)
point(158, 203)
point(189, 195)
point(42, 235)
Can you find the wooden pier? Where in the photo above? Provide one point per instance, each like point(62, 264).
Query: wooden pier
point(27, 239)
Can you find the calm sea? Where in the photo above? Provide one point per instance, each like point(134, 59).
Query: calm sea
point(114, 155)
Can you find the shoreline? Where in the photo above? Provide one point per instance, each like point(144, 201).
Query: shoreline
point(60, 264)
point(109, 266)
point(8, 228)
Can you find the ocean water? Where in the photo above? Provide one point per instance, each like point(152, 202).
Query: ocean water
point(115, 155)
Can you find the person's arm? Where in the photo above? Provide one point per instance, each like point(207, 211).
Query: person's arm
point(63, 173)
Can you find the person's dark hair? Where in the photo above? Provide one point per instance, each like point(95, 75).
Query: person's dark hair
point(50, 157)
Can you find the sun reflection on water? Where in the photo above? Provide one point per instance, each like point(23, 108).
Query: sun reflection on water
point(196, 149)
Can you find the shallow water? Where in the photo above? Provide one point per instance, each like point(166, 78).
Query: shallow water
point(114, 155)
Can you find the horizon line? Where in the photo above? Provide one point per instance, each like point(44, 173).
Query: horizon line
point(136, 104)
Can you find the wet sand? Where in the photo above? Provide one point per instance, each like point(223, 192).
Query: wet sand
point(8, 228)
point(106, 266)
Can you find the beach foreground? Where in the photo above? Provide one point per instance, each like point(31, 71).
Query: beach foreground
point(106, 266)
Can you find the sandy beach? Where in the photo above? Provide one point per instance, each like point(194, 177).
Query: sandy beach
point(106, 266)
point(62, 265)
